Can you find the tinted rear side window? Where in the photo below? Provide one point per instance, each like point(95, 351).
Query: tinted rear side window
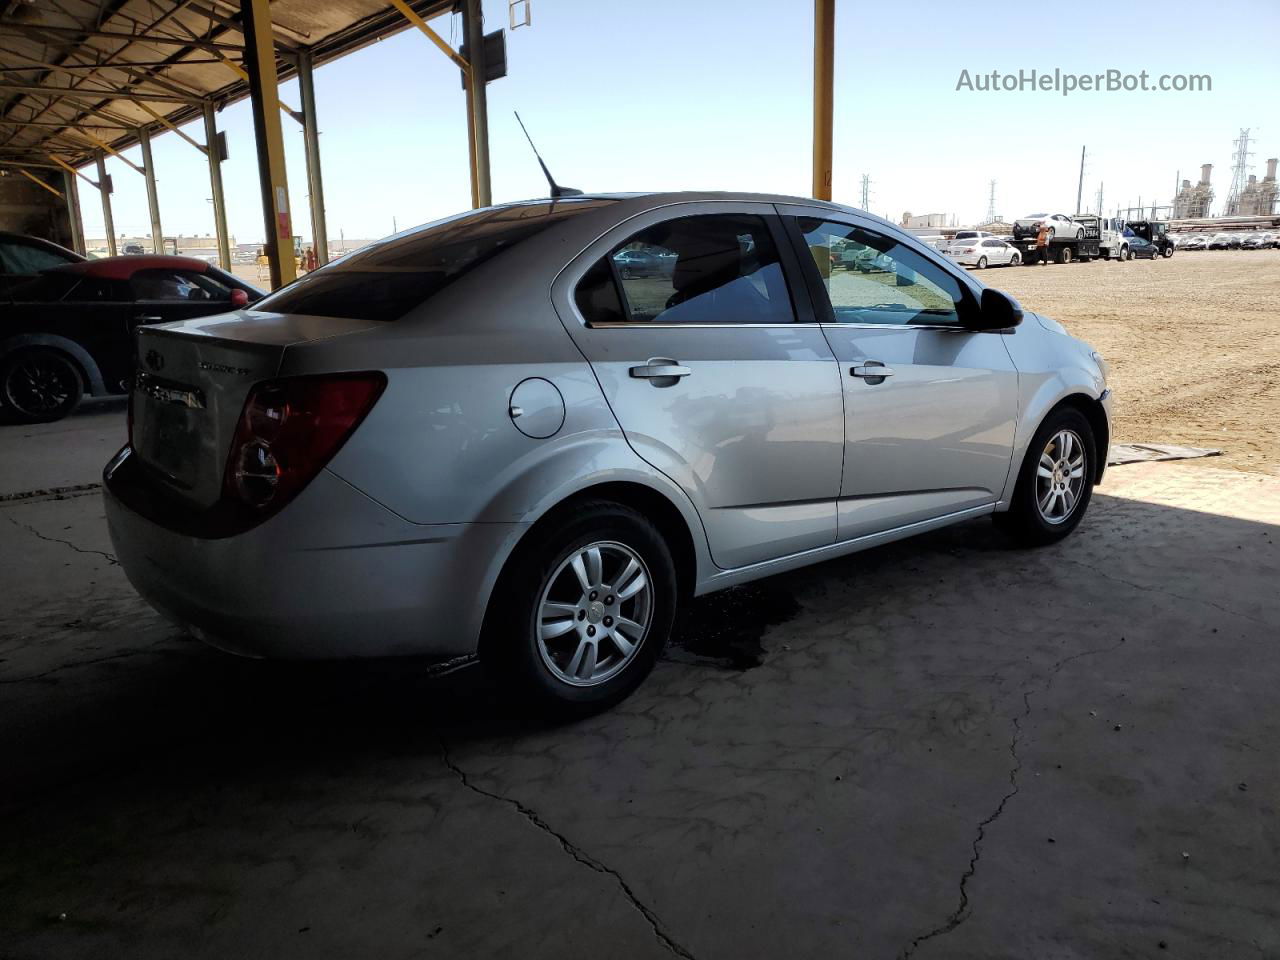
point(388, 279)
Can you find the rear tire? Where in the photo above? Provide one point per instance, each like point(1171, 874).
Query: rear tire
point(39, 385)
point(1055, 481)
point(1015, 260)
point(583, 610)
point(982, 263)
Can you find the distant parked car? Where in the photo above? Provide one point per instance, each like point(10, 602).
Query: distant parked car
point(1060, 225)
point(1196, 241)
point(633, 264)
point(1140, 249)
point(1221, 241)
point(1256, 241)
point(23, 257)
point(985, 252)
point(964, 238)
point(70, 331)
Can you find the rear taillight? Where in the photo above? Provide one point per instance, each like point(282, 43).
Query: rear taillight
point(289, 429)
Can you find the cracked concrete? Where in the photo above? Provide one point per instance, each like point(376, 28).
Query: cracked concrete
point(572, 850)
point(886, 762)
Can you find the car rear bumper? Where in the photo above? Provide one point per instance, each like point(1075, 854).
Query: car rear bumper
point(333, 575)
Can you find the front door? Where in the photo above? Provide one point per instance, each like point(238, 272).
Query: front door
point(717, 378)
point(930, 406)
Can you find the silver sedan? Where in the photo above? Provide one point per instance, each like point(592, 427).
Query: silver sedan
point(484, 437)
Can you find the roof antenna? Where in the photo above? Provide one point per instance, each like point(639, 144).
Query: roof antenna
point(556, 190)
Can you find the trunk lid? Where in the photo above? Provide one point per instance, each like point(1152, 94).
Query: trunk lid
point(193, 379)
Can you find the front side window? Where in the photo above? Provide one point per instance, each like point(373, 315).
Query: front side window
point(164, 285)
point(878, 279)
point(709, 269)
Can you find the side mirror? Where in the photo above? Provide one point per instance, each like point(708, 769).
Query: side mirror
point(239, 298)
point(996, 311)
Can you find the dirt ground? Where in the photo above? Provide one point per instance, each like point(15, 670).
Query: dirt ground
point(1193, 343)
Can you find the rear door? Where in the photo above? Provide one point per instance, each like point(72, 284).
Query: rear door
point(716, 376)
point(930, 406)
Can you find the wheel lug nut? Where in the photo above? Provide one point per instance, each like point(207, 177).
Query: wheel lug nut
point(582, 614)
point(608, 621)
point(608, 601)
point(591, 631)
point(593, 595)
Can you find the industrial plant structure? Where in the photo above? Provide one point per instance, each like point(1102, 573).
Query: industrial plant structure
point(1194, 202)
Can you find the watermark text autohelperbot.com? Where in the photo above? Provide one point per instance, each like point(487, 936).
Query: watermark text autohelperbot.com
point(1061, 82)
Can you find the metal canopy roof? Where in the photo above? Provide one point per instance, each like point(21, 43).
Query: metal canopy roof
point(78, 73)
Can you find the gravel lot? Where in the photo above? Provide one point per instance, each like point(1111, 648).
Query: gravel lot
point(1193, 343)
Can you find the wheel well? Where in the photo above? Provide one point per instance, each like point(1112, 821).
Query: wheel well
point(86, 385)
point(1097, 417)
point(656, 508)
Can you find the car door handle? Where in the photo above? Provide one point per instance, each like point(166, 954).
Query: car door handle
point(147, 318)
point(660, 367)
point(871, 369)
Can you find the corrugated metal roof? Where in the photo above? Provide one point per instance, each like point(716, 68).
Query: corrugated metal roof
point(75, 70)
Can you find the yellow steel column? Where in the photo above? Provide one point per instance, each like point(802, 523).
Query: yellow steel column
point(104, 190)
point(477, 103)
point(153, 199)
point(260, 61)
point(824, 35)
point(73, 213)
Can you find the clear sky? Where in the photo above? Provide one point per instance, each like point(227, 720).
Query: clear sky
point(717, 94)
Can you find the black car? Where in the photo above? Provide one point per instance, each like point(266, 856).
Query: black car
point(23, 257)
point(1140, 249)
point(70, 331)
point(1155, 232)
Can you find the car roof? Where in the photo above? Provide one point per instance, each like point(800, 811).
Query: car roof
point(124, 267)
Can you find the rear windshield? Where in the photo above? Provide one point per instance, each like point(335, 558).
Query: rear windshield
point(386, 280)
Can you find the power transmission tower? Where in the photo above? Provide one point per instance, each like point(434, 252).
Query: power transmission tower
point(1099, 198)
point(866, 192)
point(1239, 172)
point(1080, 185)
point(991, 204)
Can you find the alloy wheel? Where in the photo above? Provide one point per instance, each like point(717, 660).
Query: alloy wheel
point(594, 613)
point(38, 386)
point(1060, 476)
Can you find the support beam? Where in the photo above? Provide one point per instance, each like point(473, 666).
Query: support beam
point(478, 104)
point(81, 92)
point(824, 34)
point(153, 200)
point(79, 35)
point(164, 121)
point(72, 170)
point(111, 150)
point(215, 184)
point(260, 58)
point(73, 212)
point(104, 189)
point(38, 182)
point(311, 138)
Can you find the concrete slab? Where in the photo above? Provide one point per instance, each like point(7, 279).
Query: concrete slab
point(948, 748)
point(68, 454)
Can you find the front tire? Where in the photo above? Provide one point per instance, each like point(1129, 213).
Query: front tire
point(39, 385)
point(1055, 482)
point(1015, 260)
point(582, 612)
point(982, 263)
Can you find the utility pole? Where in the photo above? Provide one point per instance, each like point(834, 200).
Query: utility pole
point(824, 31)
point(1099, 198)
point(1080, 186)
